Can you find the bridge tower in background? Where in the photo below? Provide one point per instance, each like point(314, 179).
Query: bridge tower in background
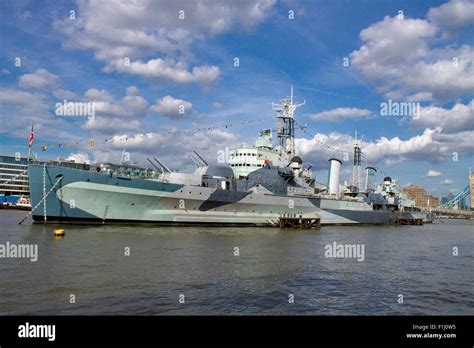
point(471, 189)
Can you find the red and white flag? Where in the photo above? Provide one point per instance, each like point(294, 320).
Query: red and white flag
point(32, 136)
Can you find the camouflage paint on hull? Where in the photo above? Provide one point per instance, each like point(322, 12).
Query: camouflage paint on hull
point(89, 197)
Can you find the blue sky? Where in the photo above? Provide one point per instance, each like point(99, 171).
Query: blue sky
point(422, 56)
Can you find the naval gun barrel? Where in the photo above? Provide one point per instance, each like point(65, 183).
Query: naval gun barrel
point(154, 165)
point(162, 165)
point(197, 159)
point(204, 163)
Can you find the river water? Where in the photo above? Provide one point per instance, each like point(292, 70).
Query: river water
point(256, 271)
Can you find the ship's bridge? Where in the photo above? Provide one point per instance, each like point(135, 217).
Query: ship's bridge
point(246, 159)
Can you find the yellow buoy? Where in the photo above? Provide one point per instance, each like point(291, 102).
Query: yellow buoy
point(59, 233)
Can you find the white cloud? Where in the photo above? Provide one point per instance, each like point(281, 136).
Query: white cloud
point(65, 94)
point(446, 182)
point(163, 144)
point(20, 108)
point(313, 152)
point(433, 173)
point(419, 147)
point(430, 146)
point(453, 15)
point(221, 135)
point(113, 115)
point(399, 58)
point(24, 104)
point(110, 125)
point(420, 97)
point(340, 114)
point(394, 40)
point(39, 79)
point(217, 105)
point(80, 157)
point(172, 107)
point(138, 29)
point(459, 143)
point(132, 90)
point(130, 106)
point(168, 70)
point(446, 74)
point(12, 96)
point(99, 95)
point(459, 118)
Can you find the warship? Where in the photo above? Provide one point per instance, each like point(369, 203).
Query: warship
point(257, 186)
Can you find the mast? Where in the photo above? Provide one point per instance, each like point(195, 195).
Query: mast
point(356, 171)
point(30, 141)
point(286, 125)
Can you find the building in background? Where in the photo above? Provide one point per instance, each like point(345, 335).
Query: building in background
point(420, 196)
point(13, 176)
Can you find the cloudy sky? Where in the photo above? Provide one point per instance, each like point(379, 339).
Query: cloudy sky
point(212, 68)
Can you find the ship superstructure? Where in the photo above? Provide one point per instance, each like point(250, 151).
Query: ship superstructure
point(259, 185)
point(245, 159)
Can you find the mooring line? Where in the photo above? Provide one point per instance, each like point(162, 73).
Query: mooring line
point(41, 201)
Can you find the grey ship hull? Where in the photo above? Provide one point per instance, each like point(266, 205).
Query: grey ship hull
point(89, 197)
